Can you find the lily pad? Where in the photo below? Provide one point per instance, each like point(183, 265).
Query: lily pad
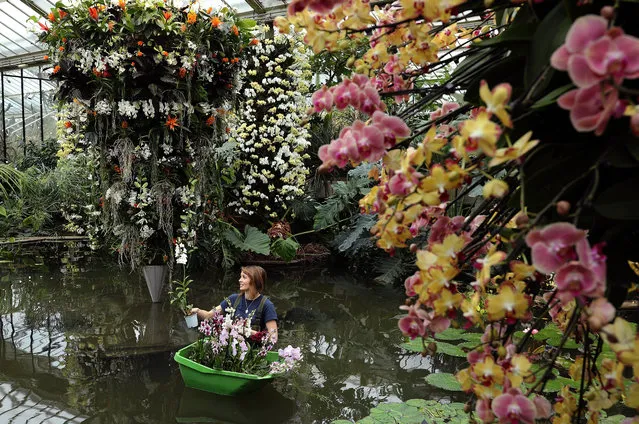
point(444, 380)
point(442, 347)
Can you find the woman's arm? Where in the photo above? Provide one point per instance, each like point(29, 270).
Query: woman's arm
point(202, 314)
point(271, 327)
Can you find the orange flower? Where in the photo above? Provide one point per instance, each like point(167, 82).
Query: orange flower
point(209, 10)
point(225, 59)
point(215, 22)
point(64, 39)
point(139, 53)
point(125, 124)
point(165, 53)
point(255, 42)
point(234, 30)
point(62, 13)
point(182, 72)
point(210, 121)
point(56, 69)
point(236, 60)
point(171, 123)
point(183, 28)
point(140, 43)
point(132, 63)
point(191, 17)
point(68, 124)
point(51, 17)
point(61, 48)
point(46, 57)
point(122, 4)
point(167, 15)
point(111, 25)
point(93, 12)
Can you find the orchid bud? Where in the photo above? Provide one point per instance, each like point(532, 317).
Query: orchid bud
point(607, 12)
point(413, 248)
point(563, 207)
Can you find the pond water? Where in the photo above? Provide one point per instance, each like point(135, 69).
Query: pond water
point(91, 347)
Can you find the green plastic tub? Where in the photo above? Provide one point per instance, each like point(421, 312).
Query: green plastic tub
point(228, 383)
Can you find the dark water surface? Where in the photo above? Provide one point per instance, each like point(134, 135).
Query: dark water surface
point(91, 347)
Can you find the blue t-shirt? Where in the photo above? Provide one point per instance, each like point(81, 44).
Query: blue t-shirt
point(244, 308)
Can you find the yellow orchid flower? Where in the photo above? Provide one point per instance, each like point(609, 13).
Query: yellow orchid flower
point(449, 248)
point(492, 258)
point(495, 188)
point(497, 100)
point(509, 303)
point(517, 150)
point(519, 370)
point(447, 301)
point(432, 144)
point(482, 131)
point(439, 278)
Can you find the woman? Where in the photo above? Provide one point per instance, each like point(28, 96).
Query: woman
point(249, 300)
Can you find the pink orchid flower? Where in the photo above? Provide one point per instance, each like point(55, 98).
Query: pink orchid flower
point(392, 128)
point(514, 408)
point(543, 407)
point(553, 245)
point(574, 279)
point(600, 313)
point(590, 108)
point(483, 411)
point(414, 324)
point(410, 282)
point(322, 100)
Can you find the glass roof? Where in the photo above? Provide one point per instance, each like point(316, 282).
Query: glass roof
point(18, 45)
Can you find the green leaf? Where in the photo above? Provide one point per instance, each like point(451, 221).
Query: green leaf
point(362, 225)
point(284, 248)
point(621, 201)
point(341, 422)
point(256, 241)
point(444, 380)
point(520, 30)
point(442, 347)
point(450, 334)
point(3, 211)
point(550, 34)
point(552, 97)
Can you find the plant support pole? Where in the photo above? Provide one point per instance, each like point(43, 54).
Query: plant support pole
point(4, 123)
point(24, 124)
point(41, 109)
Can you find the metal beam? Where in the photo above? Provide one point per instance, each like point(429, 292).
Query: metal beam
point(35, 7)
point(256, 5)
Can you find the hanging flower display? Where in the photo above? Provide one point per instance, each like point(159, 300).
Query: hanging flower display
point(153, 81)
point(271, 136)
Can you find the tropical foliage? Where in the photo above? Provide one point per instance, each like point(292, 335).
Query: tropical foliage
point(546, 132)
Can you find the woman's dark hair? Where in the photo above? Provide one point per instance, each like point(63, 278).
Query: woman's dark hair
point(257, 275)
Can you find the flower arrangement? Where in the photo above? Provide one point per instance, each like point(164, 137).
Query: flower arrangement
point(227, 344)
point(271, 133)
point(546, 134)
point(152, 81)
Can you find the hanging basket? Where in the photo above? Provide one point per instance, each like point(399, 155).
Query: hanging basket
point(155, 276)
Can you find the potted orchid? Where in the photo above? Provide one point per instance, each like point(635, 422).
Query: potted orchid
point(178, 298)
point(228, 359)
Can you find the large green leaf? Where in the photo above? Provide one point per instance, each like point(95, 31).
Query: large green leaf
point(550, 34)
point(442, 347)
point(450, 334)
point(552, 97)
point(621, 201)
point(284, 248)
point(415, 411)
point(444, 380)
point(256, 241)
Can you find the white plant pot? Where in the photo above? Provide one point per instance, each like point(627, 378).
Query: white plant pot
point(191, 320)
point(155, 276)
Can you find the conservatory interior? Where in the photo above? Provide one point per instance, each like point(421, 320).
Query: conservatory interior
point(319, 211)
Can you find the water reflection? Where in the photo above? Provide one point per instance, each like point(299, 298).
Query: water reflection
point(265, 405)
point(94, 343)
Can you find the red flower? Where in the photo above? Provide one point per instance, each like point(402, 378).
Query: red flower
point(167, 15)
point(210, 121)
point(44, 27)
point(62, 13)
point(93, 12)
point(234, 30)
point(171, 123)
point(68, 124)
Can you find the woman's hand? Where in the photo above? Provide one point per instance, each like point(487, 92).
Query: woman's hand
point(195, 310)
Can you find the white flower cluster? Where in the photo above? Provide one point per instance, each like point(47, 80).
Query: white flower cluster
point(271, 135)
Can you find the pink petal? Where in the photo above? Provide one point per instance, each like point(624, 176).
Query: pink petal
point(584, 30)
point(629, 45)
point(580, 72)
point(567, 101)
point(545, 259)
point(559, 59)
point(598, 54)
